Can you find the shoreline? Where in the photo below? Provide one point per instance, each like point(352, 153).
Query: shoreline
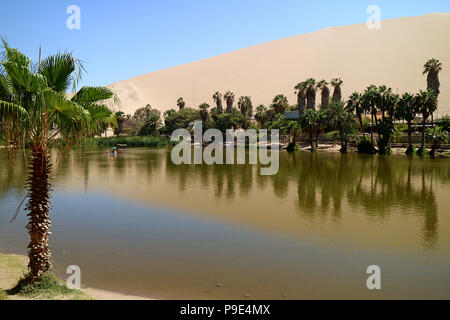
point(13, 266)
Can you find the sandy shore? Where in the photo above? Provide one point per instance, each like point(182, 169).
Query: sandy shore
point(13, 266)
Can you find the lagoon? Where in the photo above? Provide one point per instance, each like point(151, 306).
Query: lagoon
point(139, 224)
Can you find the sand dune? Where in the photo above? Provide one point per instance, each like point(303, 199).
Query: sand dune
point(393, 55)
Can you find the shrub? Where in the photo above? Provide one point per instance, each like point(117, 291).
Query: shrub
point(366, 146)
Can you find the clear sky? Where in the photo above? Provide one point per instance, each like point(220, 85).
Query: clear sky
point(122, 39)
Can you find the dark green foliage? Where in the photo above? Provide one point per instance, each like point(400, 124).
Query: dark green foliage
point(366, 146)
point(183, 118)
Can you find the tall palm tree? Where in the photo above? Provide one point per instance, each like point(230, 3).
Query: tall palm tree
point(300, 91)
point(181, 103)
point(325, 94)
point(432, 68)
point(217, 97)
point(311, 94)
point(204, 112)
point(426, 103)
point(337, 92)
point(354, 104)
point(245, 105)
point(407, 109)
point(370, 99)
point(340, 117)
point(280, 103)
point(229, 99)
point(34, 112)
point(261, 115)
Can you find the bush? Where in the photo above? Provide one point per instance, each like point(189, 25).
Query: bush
point(366, 146)
point(48, 287)
point(410, 151)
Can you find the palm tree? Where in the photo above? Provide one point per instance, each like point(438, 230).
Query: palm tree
point(426, 103)
point(94, 100)
point(300, 91)
point(340, 117)
point(245, 105)
point(180, 103)
point(407, 110)
point(34, 112)
point(311, 122)
point(436, 136)
point(337, 93)
point(325, 93)
point(354, 104)
point(229, 99)
point(204, 112)
point(370, 99)
point(261, 115)
point(311, 94)
point(120, 116)
point(217, 97)
point(432, 68)
point(280, 103)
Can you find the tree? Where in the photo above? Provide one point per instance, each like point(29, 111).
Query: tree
point(325, 94)
point(354, 104)
point(337, 92)
point(311, 94)
point(181, 119)
point(432, 68)
point(280, 104)
point(436, 136)
point(227, 121)
point(341, 118)
point(218, 99)
point(180, 103)
point(229, 99)
point(426, 104)
point(407, 110)
point(261, 115)
point(311, 123)
point(35, 111)
point(245, 105)
point(94, 100)
point(151, 125)
point(300, 91)
point(120, 116)
point(204, 112)
point(369, 103)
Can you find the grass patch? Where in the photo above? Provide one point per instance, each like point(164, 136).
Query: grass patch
point(49, 287)
point(3, 295)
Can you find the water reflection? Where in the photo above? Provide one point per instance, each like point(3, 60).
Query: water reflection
point(324, 184)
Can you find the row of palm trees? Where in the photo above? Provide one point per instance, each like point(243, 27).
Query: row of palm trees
point(379, 103)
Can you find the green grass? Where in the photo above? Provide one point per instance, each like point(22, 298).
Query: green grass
point(130, 141)
point(48, 287)
point(3, 295)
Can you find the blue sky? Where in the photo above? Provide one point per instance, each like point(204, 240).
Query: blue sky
point(122, 39)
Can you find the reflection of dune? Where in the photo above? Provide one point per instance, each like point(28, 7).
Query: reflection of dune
point(393, 56)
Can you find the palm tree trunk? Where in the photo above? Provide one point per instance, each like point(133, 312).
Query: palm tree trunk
point(38, 213)
point(423, 132)
point(371, 129)
point(361, 125)
point(409, 134)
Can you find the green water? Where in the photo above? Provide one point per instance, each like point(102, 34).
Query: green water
point(138, 224)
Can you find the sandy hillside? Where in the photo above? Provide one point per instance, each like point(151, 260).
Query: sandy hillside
point(393, 56)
